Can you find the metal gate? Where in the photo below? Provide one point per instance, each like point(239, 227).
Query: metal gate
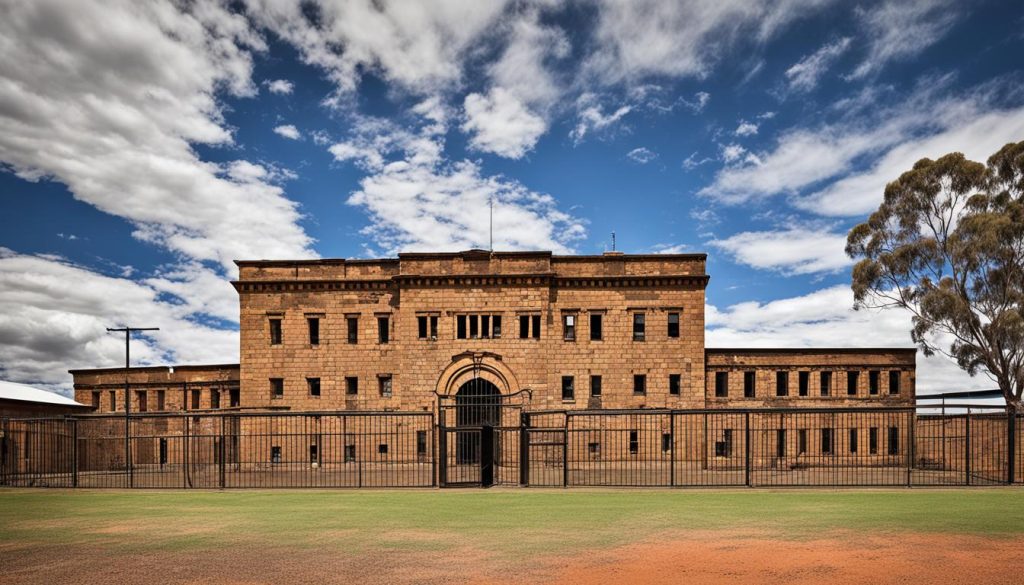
point(466, 456)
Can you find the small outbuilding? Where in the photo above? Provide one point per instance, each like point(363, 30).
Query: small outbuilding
point(23, 401)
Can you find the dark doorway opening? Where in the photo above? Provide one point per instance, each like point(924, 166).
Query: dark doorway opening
point(477, 404)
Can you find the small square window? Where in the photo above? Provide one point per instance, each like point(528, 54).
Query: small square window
point(569, 327)
point(276, 388)
point(594, 448)
point(351, 385)
point(275, 454)
point(639, 384)
point(673, 325)
point(666, 442)
point(314, 386)
point(350, 450)
point(675, 384)
point(382, 448)
point(384, 382)
point(568, 388)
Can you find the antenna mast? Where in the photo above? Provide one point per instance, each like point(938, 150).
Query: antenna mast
point(613, 241)
point(492, 222)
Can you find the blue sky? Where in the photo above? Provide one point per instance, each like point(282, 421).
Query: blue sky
point(144, 146)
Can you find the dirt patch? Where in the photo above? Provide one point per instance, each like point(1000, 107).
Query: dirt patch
point(706, 557)
point(840, 559)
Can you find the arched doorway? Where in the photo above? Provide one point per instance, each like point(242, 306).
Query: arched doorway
point(477, 404)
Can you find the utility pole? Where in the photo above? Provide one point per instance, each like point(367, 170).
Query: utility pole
point(492, 223)
point(127, 394)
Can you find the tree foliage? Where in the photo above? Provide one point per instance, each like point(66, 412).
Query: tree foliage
point(947, 244)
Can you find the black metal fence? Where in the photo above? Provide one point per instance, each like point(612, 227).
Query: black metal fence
point(671, 448)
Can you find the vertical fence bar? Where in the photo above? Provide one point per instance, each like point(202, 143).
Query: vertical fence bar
point(524, 449)
point(910, 446)
point(565, 452)
point(1011, 443)
point(672, 449)
point(746, 448)
point(74, 452)
point(967, 446)
point(222, 455)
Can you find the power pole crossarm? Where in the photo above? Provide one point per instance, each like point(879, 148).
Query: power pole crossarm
point(127, 392)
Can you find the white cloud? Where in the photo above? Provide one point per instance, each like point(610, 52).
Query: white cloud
point(640, 38)
point(499, 123)
point(732, 152)
point(288, 131)
point(419, 46)
point(803, 157)
point(825, 318)
point(590, 117)
point(280, 86)
point(642, 155)
point(123, 142)
point(746, 128)
point(692, 162)
point(897, 30)
point(792, 251)
point(805, 73)
point(54, 315)
point(419, 201)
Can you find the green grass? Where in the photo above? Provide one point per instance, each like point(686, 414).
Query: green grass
point(508, 523)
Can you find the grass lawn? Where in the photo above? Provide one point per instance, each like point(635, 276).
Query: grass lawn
point(503, 525)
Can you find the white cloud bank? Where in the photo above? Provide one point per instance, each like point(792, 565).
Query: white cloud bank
point(792, 251)
point(288, 131)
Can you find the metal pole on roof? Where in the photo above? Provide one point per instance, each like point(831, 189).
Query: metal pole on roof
point(127, 394)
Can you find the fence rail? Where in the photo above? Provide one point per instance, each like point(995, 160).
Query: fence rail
point(670, 448)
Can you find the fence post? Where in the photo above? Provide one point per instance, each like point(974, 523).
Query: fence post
point(967, 445)
point(672, 449)
point(74, 452)
point(433, 450)
point(4, 455)
point(1011, 449)
point(524, 449)
point(911, 446)
point(746, 448)
point(565, 453)
point(222, 454)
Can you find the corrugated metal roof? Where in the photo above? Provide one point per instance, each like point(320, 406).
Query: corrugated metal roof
point(25, 393)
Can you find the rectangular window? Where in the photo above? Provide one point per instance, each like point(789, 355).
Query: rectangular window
point(780, 443)
point(421, 444)
point(195, 399)
point(314, 330)
point(140, 396)
point(161, 400)
point(350, 453)
point(95, 400)
point(276, 388)
point(594, 448)
point(673, 325)
point(894, 441)
point(634, 442)
point(485, 326)
point(275, 332)
point(826, 441)
point(235, 397)
point(675, 384)
point(639, 328)
point(382, 448)
point(853, 440)
point(894, 382)
point(214, 398)
point(569, 327)
point(639, 384)
point(314, 386)
point(826, 383)
point(460, 327)
point(496, 326)
point(851, 383)
point(383, 330)
point(351, 385)
point(433, 327)
point(474, 326)
point(721, 384)
point(384, 384)
point(723, 448)
point(352, 323)
point(275, 454)
point(524, 326)
point(113, 400)
point(568, 388)
point(804, 382)
point(314, 453)
point(535, 322)
point(421, 327)
point(749, 383)
point(873, 376)
point(782, 383)
point(595, 327)
point(666, 442)
point(595, 385)
point(801, 441)
point(873, 440)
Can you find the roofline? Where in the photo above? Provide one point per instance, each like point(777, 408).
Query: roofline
point(809, 349)
point(152, 368)
point(470, 253)
point(53, 404)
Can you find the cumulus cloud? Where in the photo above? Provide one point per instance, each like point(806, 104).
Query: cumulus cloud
point(898, 30)
point(417, 200)
point(642, 155)
point(288, 131)
point(280, 86)
point(123, 143)
point(54, 315)
point(499, 123)
point(825, 318)
point(746, 128)
point(640, 38)
point(591, 117)
point(805, 73)
point(792, 251)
